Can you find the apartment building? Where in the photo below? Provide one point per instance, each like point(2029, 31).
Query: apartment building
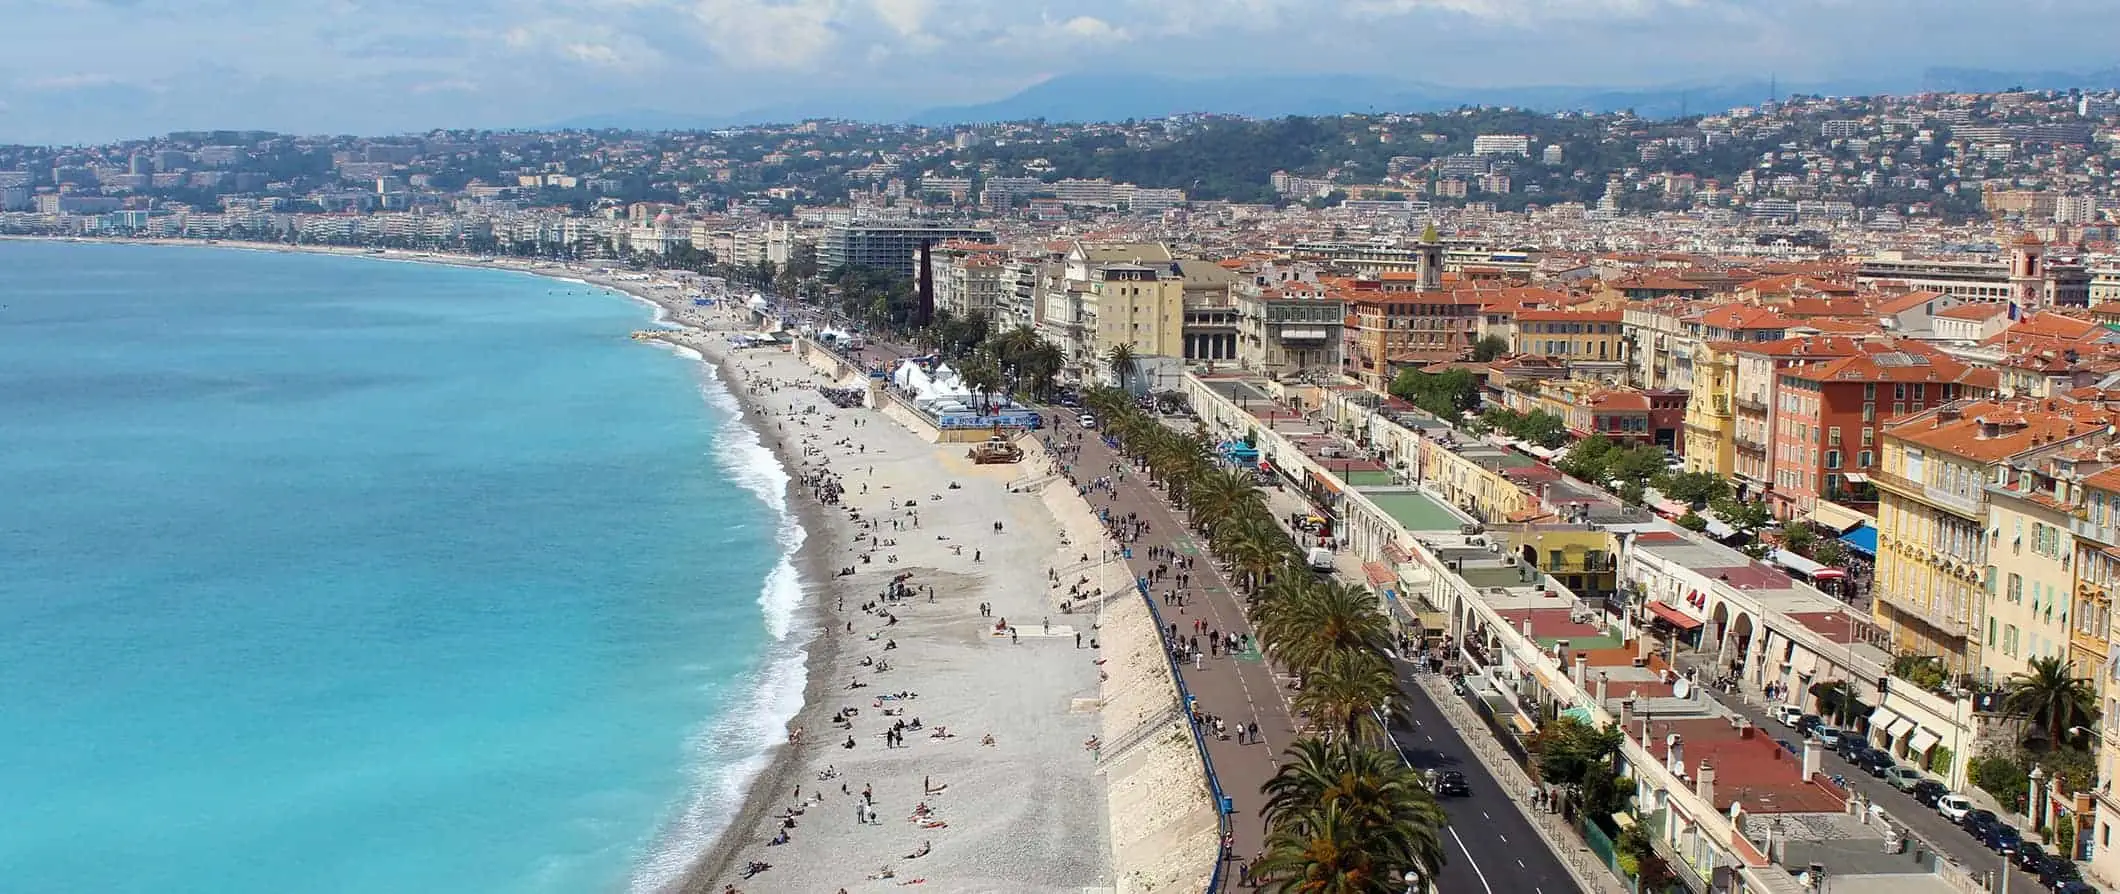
point(2026, 275)
point(1623, 414)
point(2094, 524)
point(893, 246)
point(969, 278)
point(1934, 537)
point(1593, 343)
point(1828, 413)
point(1138, 305)
point(1292, 330)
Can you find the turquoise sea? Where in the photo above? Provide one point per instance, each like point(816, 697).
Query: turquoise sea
point(333, 574)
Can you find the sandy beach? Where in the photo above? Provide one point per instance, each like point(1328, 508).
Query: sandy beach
point(944, 741)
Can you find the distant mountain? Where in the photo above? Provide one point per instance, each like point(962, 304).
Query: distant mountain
point(1110, 97)
point(1975, 80)
point(1117, 97)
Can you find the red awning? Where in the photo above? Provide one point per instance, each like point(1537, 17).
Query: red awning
point(1379, 573)
point(1829, 574)
point(1676, 618)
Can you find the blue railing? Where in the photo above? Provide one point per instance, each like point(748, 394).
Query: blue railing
point(1185, 700)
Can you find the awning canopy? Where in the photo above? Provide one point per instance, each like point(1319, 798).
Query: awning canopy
point(1882, 718)
point(1720, 531)
point(1796, 563)
point(1379, 574)
point(1673, 616)
point(1900, 727)
point(1922, 741)
point(1863, 539)
point(1524, 724)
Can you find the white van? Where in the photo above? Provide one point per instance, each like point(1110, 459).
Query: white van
point(1320, 559)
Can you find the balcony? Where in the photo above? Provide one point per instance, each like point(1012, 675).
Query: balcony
point(1752, 402)
point(1749, 442)
point(1941, 620)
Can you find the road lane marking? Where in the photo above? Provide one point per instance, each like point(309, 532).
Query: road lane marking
point(1474, 863)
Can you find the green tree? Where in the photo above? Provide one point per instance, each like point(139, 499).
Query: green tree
point(2049, 691)
point(1692, 521)
point(1446, 394)
point(1489, 347)
point(1695, 488)
point(1121, 363)
point(1344, 818)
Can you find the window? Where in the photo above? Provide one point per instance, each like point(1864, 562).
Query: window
point(1869, 412)
point(2016, 591)
point(1869, 436)
point(1899, 392)
point(1833, 436)
point(1869, 391)
point(1832, 459)
point(1864, 459)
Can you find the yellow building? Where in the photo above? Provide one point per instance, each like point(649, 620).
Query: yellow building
point(2030, 553)
point(1711, 442)
point(1139, 306)
point(1472, 476)
point(2097, 576)
point(1934, 539)
point(1592, 343)
point(1581, 557)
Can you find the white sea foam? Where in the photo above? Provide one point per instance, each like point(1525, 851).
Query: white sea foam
point(731, 750)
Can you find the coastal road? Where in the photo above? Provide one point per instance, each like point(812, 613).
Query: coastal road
point(1490, 847)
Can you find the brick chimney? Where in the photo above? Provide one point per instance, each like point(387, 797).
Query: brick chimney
point(1626, 715)
point(1582, 669)
point(1704, 782)
point(1603, 679)
point(1745, 730)
point(1813, 758)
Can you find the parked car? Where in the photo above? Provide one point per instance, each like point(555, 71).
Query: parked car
point(2002, 838)
point(1087, 421)
point(2059, 872)
point(1977, 822)
point(1930, 793)
point(1954, 807)
point(1903, 778)
point(2031, 858)
point(1808, 722)
point(1451, 784)
point(1787, 715)
point(1876, 763)
point(1851, 747)
point(1829, 736)
point(2073, 886)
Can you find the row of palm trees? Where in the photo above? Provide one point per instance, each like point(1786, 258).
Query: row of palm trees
point(1344, 814)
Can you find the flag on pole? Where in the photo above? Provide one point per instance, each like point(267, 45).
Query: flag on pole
point(2015, 312)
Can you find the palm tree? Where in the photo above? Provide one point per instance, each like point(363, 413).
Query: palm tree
point(1121, 362)
point(1322, 851)
point(1252, 545)
point(2051, 691)
point(1389, 814)
point(1321, 620)
point(1346, 691)
point(1223, 494)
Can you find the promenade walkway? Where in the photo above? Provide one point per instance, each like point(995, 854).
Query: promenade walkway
point(1238, 689)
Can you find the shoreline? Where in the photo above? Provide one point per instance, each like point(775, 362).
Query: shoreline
point(1065, 693)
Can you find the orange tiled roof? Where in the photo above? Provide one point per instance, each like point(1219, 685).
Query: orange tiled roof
point(1992, 430)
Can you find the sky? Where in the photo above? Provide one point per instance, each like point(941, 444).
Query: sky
point(90, 70)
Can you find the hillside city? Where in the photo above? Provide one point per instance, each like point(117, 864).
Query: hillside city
point(1819, 398)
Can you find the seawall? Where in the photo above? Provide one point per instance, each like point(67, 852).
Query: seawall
point(1163, 825)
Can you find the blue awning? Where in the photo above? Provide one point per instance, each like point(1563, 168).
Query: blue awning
point(1863, 540)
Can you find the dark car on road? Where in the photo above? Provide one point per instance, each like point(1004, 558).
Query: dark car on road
point(1852, 748)
point(1927, 791)
point(2058, 873)
point(2031, 858)
point(1876, 763)
point(1451, 784)
point(1977, 823)
point(2002, 838)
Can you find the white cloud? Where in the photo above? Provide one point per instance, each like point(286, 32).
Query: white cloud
point(770, 34)
point(80, 81)
point(596, 46)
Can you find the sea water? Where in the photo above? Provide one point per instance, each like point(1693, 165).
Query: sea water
point(334, 574)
